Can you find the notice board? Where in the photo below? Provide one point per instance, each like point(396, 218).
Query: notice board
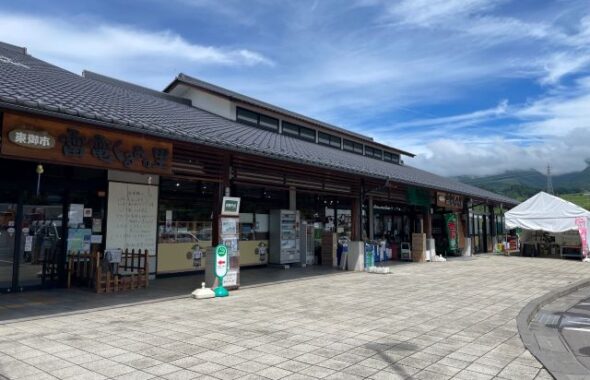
point(132, 218)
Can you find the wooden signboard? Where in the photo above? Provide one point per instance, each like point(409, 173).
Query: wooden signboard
point(449, 200)
point(67, 142)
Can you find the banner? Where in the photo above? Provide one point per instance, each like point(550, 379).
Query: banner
point(451, 224)
point(583, 230)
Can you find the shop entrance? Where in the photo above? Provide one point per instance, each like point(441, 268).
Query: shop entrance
point(42, 217)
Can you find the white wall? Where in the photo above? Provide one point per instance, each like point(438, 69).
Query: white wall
point(209, 102)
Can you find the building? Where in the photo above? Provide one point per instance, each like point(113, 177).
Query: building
point(93, 163)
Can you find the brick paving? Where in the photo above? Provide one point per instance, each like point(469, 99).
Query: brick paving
point(424, 321)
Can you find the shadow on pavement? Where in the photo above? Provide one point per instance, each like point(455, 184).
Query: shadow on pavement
point(49, 302)
point(386, 351)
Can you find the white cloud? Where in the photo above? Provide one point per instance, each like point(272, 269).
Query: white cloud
point(82, 44)
point(562, 64)
point(486, 156)
point(554, 129)
point(427, 13)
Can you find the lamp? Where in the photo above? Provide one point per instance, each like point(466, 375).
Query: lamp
point(39, 170)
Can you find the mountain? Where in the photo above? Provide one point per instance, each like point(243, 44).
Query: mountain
point(521, 184)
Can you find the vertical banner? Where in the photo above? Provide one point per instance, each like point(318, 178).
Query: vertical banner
point(583, 230)
point(451, 225)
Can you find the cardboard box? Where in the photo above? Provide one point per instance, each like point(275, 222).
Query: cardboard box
point(419, 248)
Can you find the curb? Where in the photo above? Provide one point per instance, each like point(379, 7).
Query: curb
point(527, 314)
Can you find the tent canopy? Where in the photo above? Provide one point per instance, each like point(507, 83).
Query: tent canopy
point(545, 212)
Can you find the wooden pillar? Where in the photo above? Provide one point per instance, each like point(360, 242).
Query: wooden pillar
point(223, 189)
point(292, 198)
point(371, 219)
point(428, 223)
point(356, 219)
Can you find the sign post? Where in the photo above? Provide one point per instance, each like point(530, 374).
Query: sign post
point(221, 265)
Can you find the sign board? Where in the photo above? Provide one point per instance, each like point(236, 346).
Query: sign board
point(231, 278)
point(583, 231)
point(132, 218)
point(448, 200)
point(31, 139)
point(221, 260)
point(451, 227)
point(230, 206)
point(71, 143)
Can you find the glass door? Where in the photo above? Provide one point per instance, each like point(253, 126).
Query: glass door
point(8, 210)
point(40, 255)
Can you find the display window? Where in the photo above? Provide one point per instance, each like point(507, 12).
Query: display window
point(254, 223)
point(184, 225)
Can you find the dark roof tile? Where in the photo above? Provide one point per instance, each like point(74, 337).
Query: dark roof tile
point(39, 86)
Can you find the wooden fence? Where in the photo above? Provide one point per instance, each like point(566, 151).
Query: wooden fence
point(96, 271)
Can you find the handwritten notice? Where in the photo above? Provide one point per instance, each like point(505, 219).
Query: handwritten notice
point(132, 218)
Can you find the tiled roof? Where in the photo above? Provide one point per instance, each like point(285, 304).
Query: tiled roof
point(186, 79)
point(32, 85)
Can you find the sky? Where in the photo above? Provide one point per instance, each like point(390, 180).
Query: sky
point(472, 87)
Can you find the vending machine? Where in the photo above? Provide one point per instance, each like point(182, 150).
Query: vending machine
point(284, 237)
point(307, 244)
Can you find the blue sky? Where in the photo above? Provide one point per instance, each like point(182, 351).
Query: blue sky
point(470, 86)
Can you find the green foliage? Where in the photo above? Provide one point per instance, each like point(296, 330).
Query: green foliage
point(523, 184)
point(581, 199)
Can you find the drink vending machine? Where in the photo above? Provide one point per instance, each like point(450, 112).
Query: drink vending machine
point(284, 237)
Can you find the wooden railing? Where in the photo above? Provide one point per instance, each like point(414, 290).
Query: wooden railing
point(94, 270)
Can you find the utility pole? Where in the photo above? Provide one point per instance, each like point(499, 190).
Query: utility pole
point(549, 180)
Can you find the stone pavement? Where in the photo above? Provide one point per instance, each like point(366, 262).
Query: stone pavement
point(424, 321)
point(42, 303)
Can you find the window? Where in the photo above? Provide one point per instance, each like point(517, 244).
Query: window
point(298, 131)
point(326, 139)
point(247, 117)
point(351, 146)
point(373, 152)
point(391, 157)
point(257, 120)
point(269, 122)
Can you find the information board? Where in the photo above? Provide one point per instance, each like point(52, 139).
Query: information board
point(132, 218)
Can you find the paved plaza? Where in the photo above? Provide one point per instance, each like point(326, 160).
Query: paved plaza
point(424, 321)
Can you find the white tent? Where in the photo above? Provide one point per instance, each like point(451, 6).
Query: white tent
point(548, 213)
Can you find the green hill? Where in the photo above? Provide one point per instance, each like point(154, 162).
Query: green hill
point(522, 184)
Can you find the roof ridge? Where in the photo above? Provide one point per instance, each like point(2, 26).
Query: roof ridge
point(14, 48)
point(135, 87)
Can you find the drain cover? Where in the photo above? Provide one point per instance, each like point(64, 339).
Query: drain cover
point(584, 351)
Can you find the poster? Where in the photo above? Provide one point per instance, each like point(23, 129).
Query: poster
point(88, 213)
point(96, 239)
point(229, 226)
point(231, 278)
point(168, 220)
point(28, 243)
point(76, 214)
point(583, 230)
point(451, 226)
point(231, 243)
point(79, 239)
point(97, 225)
